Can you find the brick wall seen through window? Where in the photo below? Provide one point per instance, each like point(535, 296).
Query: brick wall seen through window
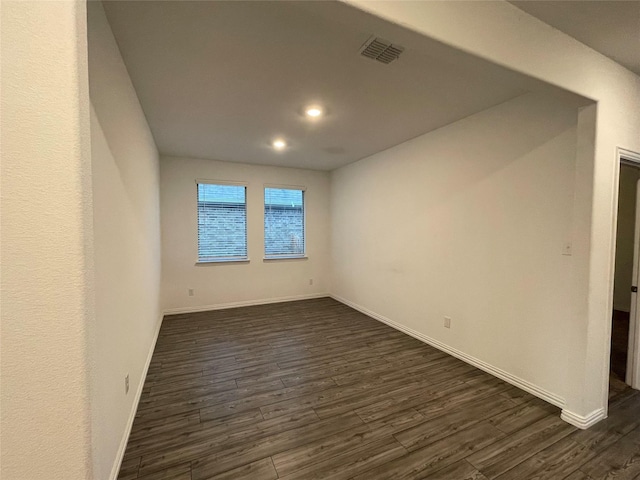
point(222, 222)
point(284, 233)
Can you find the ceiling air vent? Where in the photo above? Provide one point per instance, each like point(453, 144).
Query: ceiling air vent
point(381, 50)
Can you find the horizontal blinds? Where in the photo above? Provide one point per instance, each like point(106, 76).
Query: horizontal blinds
point(283, 222)
point(222, 222)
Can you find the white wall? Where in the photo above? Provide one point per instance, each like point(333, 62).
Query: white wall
point(468, 222)
point(224, 284)
point(47, 273)
point(126, 221)
point(47, 270)
point(501, 33)
point(624, 237)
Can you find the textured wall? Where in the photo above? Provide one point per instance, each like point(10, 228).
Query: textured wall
point(126, 219)
point(47, 287)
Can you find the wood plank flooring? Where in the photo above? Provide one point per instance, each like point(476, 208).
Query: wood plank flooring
point(315, 390)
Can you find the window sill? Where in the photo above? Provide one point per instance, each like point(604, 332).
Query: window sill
point(221, 261)
point(285, 257)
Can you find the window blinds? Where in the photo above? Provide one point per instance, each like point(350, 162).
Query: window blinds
point(222, 222)
point(283, 222)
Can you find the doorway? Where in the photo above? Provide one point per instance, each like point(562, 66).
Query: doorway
point(624, 363)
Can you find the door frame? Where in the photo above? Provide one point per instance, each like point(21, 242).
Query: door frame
point(629, 157)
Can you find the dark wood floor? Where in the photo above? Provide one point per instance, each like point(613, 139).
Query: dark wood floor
point(316, 390)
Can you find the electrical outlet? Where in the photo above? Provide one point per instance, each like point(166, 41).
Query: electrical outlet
point(447, 322)
point(126, 384)
point(311, 281)
point(191, 292)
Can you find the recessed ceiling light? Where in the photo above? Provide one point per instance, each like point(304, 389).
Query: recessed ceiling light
point(313, 111)
point(279, 144)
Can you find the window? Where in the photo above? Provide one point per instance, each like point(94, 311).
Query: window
point(222, 222)
point(283, 222)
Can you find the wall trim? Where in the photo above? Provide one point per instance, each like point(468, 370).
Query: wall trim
point(583, 421)
point(245, 303)
point(495, 371)
point(626, 157)
point(125, 438)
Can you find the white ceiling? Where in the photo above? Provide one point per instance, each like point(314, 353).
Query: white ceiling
point(220, 80)
point(610, 27)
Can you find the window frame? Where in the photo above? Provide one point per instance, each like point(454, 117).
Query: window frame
point(285, 256)
point(222, 260)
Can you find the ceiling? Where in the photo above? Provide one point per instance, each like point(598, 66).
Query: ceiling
point(609, 27)
point(221, 80)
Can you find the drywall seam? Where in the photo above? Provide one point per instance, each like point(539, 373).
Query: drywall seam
point(248, 303)
point(495, 371)
point(583, 422)
point(134, 410)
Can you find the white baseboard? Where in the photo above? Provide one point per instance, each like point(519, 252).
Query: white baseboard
point(246, 303)
point(136, 401)
point(585, 421)
point(495, 371)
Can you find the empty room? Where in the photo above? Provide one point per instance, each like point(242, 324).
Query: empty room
point(334, 239)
